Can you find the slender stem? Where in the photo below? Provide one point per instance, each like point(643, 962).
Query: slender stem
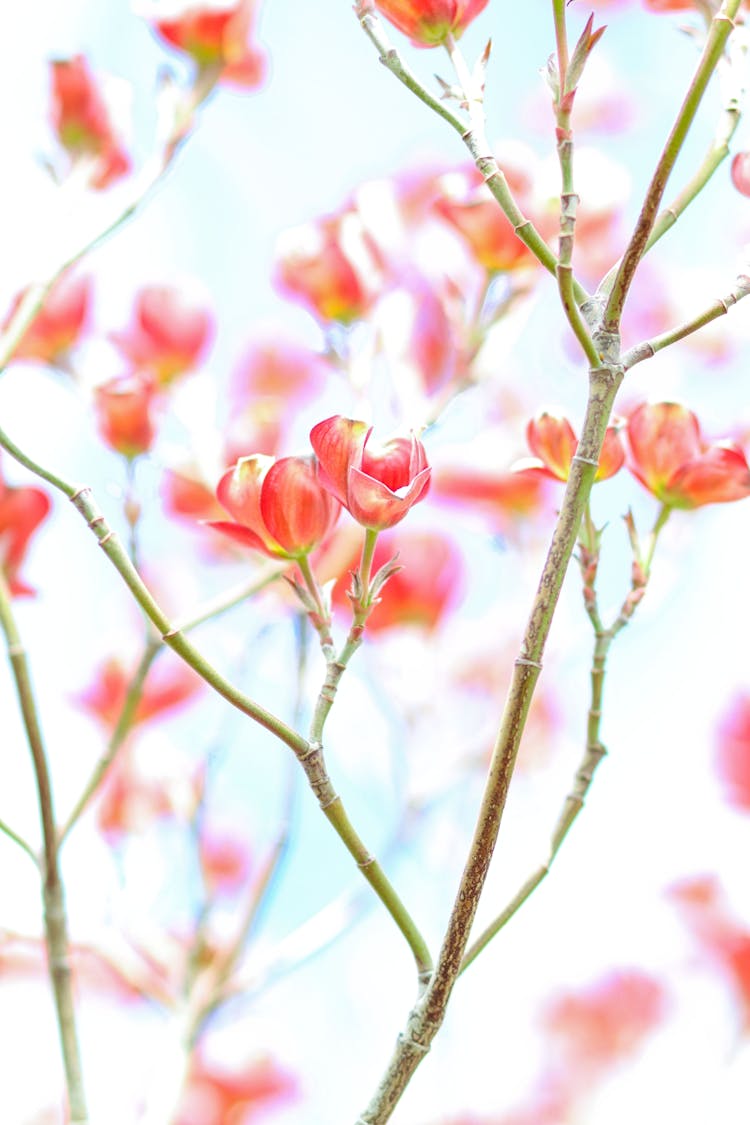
point(561, 40)
point(664, 513)
point(568, 196)
point(595, 750)
point(475, 141)
point(122, 728)
point(720, 307)
point(55, 918)
point(426, 1017)
point(132, 510)
point(319, 615)
point(718, 150)
point(377, 879)
point(721, 27)
point(223, 967)
point(83, 501)
point(211, 608)
point(152, 648)
point(333, 808)
point(365, 565)
point(23, 844)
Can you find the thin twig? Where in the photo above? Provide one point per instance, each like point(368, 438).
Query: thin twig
point(721, 27)
point(53, 896)
point(474, 140)
point(719, 307)
point(594, 751)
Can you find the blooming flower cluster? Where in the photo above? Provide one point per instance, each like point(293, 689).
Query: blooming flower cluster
point(286, 508)
point(661, 444)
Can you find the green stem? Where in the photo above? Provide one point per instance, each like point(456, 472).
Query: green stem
point(224, 965)
point(53, 896)
point(321, 618)
point(720, 307)
point(132, 510)
point(595, 750)
point(476, 143)
point(151, 651)
point(717, 152)
point(365, 565)
point(664, 513)
point(721, 27)
point(122, 728)
point(322, 786)
point(561, 40)
point(18, 839)
point(568, 200)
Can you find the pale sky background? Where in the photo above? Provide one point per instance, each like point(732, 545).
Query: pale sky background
point(329, 118)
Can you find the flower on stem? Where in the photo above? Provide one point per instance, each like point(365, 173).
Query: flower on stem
point(332, 266)
point(168, 336)
point(669, 457)
point(124, 414)
point(217, 35)
point(279, 507)
point(22, 510)
point(428, 23)
point(553, 441)
point(82, 121)
point(377, 486)
point(58, 325)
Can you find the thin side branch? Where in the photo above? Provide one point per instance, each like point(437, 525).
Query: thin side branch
point(472, 137)
point(721, 27)
point(720, 307)
point(53, 896)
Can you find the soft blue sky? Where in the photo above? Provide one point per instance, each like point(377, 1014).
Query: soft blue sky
point(330, 117)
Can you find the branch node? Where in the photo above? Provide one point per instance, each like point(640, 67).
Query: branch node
point(523, 661)
point(366, 862)
point(313, 748)
point(105, 538)
point(586, 460)
point(407, 1041)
